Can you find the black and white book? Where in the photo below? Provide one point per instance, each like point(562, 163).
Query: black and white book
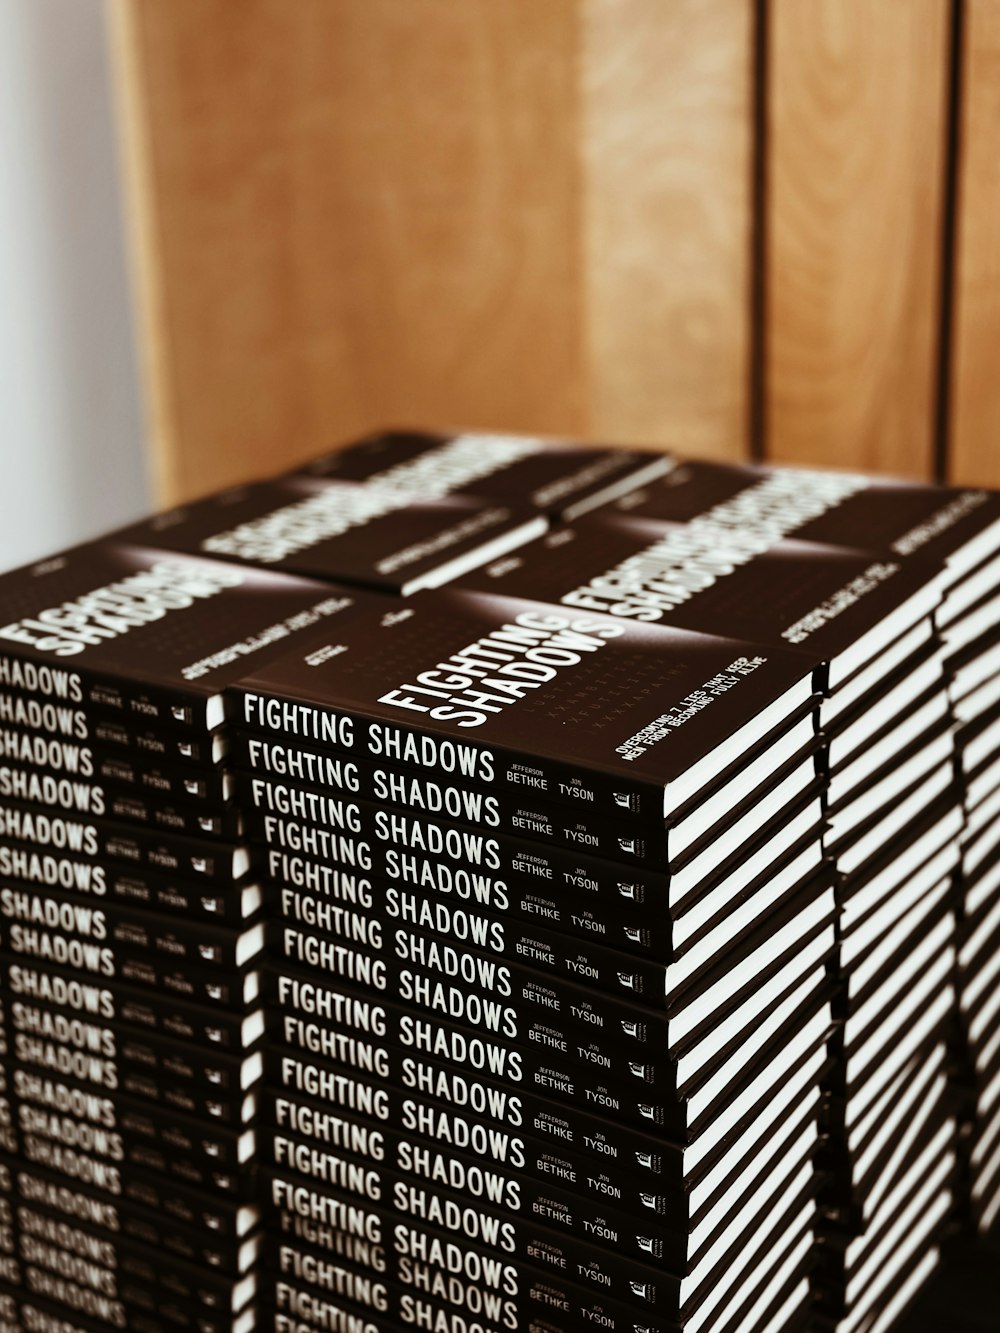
point(560, 479)
point(648, 712)
point(148, 636)
point(955, 527)
point(839, 605)
point(344, 532)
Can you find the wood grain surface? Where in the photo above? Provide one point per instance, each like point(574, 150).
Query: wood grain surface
point(333, 220)
point(856, 124)
point(666, 138)
point(498, 214)
point(974, 437)
point(541, 217)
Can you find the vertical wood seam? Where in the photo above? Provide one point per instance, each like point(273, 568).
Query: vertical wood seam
point(757, 333)
point(950, 192)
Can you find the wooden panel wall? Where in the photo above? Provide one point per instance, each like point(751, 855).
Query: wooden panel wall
point(974, 453)
point(665, 134)
point(730, 227)
point(416, 211)
point(856, 128)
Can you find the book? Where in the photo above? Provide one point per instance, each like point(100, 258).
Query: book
point(561, 479)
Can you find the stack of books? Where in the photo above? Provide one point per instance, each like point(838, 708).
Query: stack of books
point(473, 1106)
point(607, 938)
point(131, 937)
point(970, 630)
point(560, 479)
point(864, 625)
point(913, 857)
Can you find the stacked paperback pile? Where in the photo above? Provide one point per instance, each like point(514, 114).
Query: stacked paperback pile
point(130, 938)
point(970, 628)
point(865, 624)
point(548, 982)
point(583, 944)
point(896, 822)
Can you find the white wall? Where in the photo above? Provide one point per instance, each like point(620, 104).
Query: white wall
point(71, 455)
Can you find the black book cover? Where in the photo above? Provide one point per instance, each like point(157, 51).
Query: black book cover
point(561, 479)
point(643, 705)
point(342, 531)
point(146, 635)
point(790, 594)
point(899, 518)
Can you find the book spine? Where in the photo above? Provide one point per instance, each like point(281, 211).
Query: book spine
point(217, 1029)
point(305, 1285)
point(127, 1132)
point(41, 718)
point(125, 804)
point(48, 1044)
point(56, 1292)
point(344, 1025)
point(547, 952)
point(148, 745)
point(58, 1289)
point(200, 858)
point(272, 802)
point(361, 1034)
point(190, 1224)
point(292, 722)
point(416, 1176)
point(397, 1133)
point(478, 992)
point(424, 1222)
point(202, 786)
point(75, 873)
point(97, 1138)
point(29, 911)
point(104, 950)
point(94, 690)
point(27, 1187)
point(605, 901)
point(428, 1099)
